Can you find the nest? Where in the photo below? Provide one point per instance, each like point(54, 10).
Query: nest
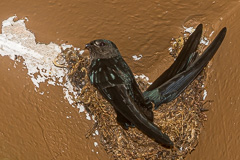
point(181, 119)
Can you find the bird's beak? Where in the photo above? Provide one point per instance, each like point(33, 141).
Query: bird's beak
point(87, 46)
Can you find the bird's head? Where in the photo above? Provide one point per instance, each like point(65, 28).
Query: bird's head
point(102, 49)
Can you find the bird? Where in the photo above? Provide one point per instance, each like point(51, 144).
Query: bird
point(113, 78)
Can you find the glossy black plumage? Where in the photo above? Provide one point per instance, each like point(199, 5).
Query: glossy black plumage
point(186, 56)
point(184, 70)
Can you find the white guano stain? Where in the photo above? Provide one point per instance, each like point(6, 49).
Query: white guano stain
point(16, 40)
point(137, 58)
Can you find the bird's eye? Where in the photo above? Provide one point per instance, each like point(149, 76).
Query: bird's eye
point(102, 44)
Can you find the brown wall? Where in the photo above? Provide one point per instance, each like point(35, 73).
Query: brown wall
point(33, 126)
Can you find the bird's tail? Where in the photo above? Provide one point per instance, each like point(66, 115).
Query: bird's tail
point(170, 89)
point(187, 54)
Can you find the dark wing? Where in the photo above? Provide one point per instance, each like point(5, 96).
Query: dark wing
point(187, 54)
point(106, 73)
point(125, 105)
point(173, 87)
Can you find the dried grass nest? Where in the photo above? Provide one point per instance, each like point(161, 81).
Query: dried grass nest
point(181, 119)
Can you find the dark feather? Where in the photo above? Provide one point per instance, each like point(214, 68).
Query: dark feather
point(128, 108)
point(187, 54)
point(174, 86)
